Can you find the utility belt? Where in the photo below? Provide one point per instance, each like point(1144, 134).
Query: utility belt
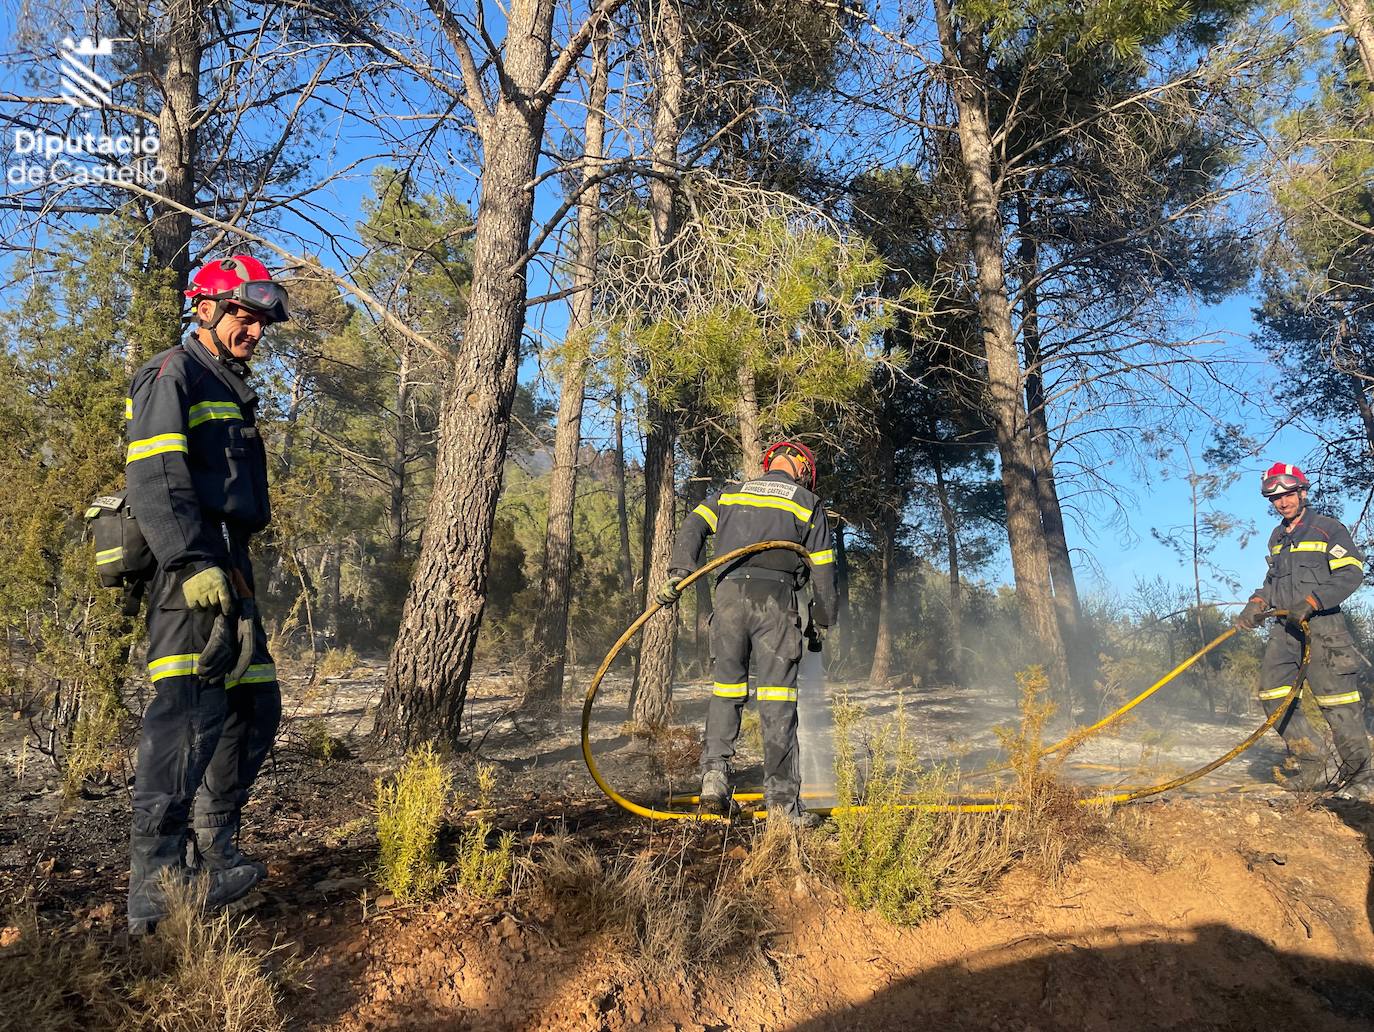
point(759, 573)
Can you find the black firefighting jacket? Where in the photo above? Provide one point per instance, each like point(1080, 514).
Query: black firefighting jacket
point(774, 507)
point(196, 465)
point(1316, 557)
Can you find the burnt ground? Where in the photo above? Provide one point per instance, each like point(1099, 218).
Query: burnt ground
point(1232, 905)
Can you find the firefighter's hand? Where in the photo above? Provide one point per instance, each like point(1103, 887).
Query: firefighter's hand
point(1253, 613)
point(670, 592)
point(209, 589)
point(1302, 612)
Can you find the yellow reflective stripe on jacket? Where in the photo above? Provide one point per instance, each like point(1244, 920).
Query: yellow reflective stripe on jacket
point(732, 691)
point(775, 693)
point(1307, 546)
point(704, 511)
point(172, 666)
point(1349, 560)
point(1276, 693)
point(109, 555)
point(128, 408)
point(204, 411)
point(1276, 550)
point(258, 673)
point(1338, 700)
point(162, 443)
point(764, 502)
point(822, 558)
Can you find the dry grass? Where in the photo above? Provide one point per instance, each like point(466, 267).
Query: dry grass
point(663, 917)
point(200, 977)
point(197, 974)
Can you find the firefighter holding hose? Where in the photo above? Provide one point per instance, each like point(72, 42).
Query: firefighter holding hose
point(757, 616)
point(1314, 566)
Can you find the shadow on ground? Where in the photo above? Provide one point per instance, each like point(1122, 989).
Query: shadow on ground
point(1222, 979)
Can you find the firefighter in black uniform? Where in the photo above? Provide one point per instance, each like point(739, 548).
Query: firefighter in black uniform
point(1314, 566)
point(197, 479)
point(756, 615)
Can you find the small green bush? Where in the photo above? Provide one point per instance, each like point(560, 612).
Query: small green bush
point(484, 871)
point(410, 809)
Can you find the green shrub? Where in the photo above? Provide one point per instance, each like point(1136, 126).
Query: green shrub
point(410, 809)
point(484, 871)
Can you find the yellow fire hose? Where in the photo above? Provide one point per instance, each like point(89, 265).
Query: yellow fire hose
point(1075, 738)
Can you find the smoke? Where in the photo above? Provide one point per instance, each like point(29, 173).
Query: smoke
point(815, 732)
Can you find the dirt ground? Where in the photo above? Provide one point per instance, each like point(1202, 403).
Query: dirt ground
point(1234, 906)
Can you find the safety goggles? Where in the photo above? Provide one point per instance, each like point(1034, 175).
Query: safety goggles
point(1280, 484)
point(260, 295)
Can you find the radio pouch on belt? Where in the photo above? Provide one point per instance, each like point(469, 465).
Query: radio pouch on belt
point(122, 556)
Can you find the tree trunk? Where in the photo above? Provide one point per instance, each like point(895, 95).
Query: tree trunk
point(843, 635)
point(652, 693)
point(1359, 22)
point(881, 669)
point(955, 627)
point(544, 688)
point(651, 696)
point(622, 512)
point(747, 415)
point(1029, 556)
point(701, 645)
point(427, 677)
point(1063, 582)
point(177, 128)
point(398, 466)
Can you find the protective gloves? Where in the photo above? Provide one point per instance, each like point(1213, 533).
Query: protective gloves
point(1253, 614)
point(670, 592)
point(815, 637)
point(1301, 612)
point(207, 589)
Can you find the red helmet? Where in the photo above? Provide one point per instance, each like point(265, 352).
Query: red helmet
point(242, 280)
point(1281, 479)
point(797, 451)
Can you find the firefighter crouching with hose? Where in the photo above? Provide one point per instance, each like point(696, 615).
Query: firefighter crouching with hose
point(197, 487)
point(1314, 566)
point(756, 616)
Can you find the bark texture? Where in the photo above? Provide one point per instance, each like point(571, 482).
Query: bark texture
point(1359, 23)
point(544, 688)
point(1029, 556)
point(747, 415)
point(652, 694)
point(427, 676)
point(179, 73)
point(955, 627)
point(651, 697)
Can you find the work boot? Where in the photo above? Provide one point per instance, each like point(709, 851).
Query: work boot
point(217, 849)
point(149, 906)
point(809, 820)
point(715, 793)
point(152, 858)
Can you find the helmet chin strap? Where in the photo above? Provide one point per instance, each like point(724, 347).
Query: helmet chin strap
point(222, 353)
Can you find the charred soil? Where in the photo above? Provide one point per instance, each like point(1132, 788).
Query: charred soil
point(1220, 911)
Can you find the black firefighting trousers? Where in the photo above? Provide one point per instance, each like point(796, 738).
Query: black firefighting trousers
point(759, 620)
point(202, 743)
point(1331, 671)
